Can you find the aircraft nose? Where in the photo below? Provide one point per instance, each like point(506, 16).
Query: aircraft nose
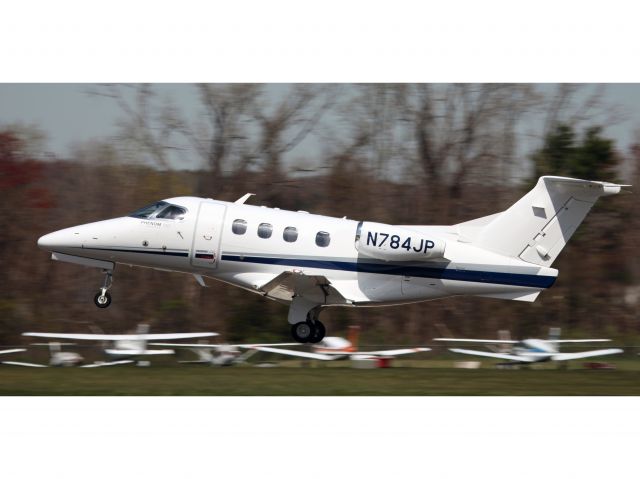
point(51, 241)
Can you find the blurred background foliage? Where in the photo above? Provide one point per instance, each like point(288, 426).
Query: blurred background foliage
point(403, 154)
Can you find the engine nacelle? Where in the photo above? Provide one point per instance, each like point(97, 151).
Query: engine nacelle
point(392, 243)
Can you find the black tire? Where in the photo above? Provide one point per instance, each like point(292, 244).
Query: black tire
point(102, 301)
point(319, 332)
point(302, 332)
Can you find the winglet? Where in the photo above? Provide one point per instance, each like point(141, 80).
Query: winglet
point(240, 201)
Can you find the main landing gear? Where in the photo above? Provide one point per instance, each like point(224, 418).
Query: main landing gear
point(308, 331)
point(102, 299)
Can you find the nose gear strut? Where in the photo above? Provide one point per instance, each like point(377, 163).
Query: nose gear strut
point(102, 299)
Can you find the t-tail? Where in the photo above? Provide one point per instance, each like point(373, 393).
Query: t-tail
point(539, 225)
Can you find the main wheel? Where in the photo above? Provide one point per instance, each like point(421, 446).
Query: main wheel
point(102, 300)
point(318, 332)
point(302, 332)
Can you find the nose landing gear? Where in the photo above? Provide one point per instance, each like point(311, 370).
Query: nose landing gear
point(102, 299)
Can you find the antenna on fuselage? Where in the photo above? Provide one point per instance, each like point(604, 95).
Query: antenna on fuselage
point(240, 201)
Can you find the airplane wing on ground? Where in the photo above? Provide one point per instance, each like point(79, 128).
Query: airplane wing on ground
point(390, 352)
point(8, 351)
point(107, 363)
point(482, 341)
point(219, 346)
point(578, 340)
point(20, 363)
point(119, 337)
point(585, 354)
point(508, 357)
point(300, 354)
point(137, 352)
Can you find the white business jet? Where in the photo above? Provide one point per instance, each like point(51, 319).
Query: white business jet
point(311, 262)
point(333, 347)
point(123, 348)
point(530, 351)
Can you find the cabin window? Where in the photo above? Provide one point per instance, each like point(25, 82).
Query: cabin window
point(172, 212)
point(323, 238)
point(290, 234)
point(239, 227)
point(265, 230)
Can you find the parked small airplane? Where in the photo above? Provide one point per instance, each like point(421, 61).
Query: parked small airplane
point(226, 354)
point(311, 262)
point(124, 348)
point(332, 348)
point(532, 350)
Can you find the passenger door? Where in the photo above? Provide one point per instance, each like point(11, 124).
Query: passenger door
point(208, 233)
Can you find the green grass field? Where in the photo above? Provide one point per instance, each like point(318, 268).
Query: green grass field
point(426, 377)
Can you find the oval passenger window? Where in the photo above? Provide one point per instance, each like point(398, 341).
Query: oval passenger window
point(290, 234)
point(265, 230)
point(323, 238)
point(239, 227)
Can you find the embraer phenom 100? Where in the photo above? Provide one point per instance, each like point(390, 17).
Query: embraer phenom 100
point(312, 261)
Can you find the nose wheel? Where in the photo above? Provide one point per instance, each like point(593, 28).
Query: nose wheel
point(102, 299)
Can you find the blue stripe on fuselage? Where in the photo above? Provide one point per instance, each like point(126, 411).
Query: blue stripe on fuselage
point(511, 279)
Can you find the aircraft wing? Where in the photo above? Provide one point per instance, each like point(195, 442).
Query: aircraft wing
point(118, 337)
point(482, 341)
point(585, 354)
point(578, 340)
point(29, 365)
point(487, 354)
point(390, 352)
point(218, 346)
point(300, 354)
point(107, 363)
point(136, 352)
point(17, 350)
point(289, 283)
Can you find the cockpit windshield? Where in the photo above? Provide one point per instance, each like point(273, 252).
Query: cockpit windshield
point(160, 209)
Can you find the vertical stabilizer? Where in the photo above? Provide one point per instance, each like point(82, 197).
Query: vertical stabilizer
point(539, 225)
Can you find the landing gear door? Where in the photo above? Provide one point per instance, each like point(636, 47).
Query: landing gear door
point(205, 252)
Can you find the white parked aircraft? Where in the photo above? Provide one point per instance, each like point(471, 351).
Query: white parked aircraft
point(124, 348)
point(332, 348)
point(312, 261)
point(532, 350)
point(225, 354)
